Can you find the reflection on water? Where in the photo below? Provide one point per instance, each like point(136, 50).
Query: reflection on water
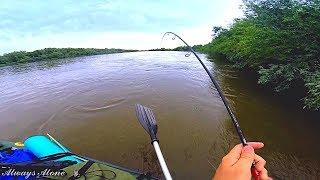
point(87, 103)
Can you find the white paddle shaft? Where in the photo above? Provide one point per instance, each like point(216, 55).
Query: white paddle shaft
point(163, 164)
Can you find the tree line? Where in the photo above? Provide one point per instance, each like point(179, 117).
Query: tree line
point(51, 54)
point(279, 40)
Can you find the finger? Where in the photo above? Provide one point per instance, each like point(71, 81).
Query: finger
point(256, 145)
point(259, 162)
point(246, 158)
point(233, 156)
point(264, 175)
point(236, 151)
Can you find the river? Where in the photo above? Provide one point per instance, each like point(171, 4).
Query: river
point(87, 103)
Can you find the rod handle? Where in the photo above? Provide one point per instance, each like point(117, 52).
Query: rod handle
point(254, 172)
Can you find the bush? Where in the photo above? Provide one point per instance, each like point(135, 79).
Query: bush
point(280, 40)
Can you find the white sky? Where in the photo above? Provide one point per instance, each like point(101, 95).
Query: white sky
point(110, 24)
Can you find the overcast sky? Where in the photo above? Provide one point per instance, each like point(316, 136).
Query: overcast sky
point(131, 24)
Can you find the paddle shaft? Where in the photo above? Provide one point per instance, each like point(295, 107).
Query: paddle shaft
point(162, 162)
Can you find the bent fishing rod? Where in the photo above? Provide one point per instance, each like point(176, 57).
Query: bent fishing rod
point(224, 100)
point(217, 86)
point(148, 121)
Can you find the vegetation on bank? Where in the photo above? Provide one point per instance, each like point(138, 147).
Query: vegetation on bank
point(280, 40)
point(179, 48)
point(160, 49)
point(51, 54)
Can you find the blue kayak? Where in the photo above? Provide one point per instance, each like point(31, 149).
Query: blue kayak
point(43, 157)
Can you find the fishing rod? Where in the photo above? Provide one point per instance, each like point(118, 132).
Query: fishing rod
point(224, 100)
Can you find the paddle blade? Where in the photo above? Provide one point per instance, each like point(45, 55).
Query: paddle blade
point(147, 120)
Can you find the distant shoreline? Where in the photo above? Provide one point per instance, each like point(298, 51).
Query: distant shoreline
point(48, 54)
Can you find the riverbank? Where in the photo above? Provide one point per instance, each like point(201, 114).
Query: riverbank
point(20, 57)
point(280, 42)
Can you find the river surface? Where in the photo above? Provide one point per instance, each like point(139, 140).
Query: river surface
point(87, 104)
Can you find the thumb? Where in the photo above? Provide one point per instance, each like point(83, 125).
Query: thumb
point(246, 158)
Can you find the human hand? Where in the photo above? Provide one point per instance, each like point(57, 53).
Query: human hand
point(237, 163)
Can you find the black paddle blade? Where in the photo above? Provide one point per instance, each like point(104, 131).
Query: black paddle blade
point(147, 120)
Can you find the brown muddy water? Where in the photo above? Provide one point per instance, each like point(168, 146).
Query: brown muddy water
point(87, 103)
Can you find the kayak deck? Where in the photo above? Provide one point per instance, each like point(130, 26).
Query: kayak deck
point(24, 158)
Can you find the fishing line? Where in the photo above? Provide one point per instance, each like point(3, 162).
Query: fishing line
point(223, 98)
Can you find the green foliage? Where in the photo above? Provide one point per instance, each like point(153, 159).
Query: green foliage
point(217, 30)
point(160, 49)
point(52, 53)
point(313, 84)
point(241, 44)
point(280, 77)
point(181, 48)
point(280, 39)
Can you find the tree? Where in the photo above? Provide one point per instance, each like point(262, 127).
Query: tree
point(280, 40)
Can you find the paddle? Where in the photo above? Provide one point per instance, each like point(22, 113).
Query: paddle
point(148, 122)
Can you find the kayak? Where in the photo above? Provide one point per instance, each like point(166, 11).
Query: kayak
point(43, 157)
